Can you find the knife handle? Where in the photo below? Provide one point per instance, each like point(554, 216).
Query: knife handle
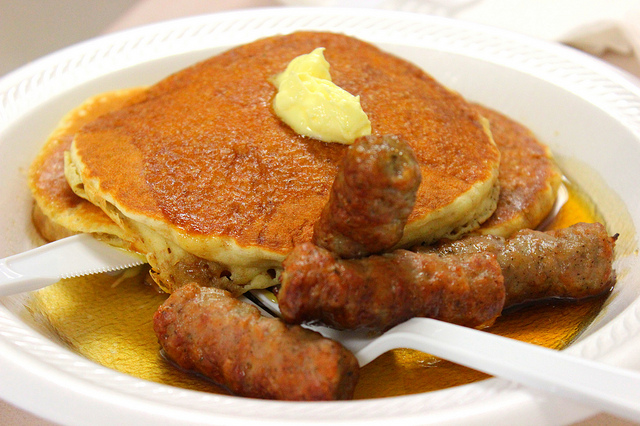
point(12, 282)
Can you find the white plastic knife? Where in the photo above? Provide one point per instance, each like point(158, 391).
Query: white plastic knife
point(66, 258)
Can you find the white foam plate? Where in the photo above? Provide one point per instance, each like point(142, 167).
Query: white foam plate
point(586, 111)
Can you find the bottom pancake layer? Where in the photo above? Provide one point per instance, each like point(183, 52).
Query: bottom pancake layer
point(529, 178)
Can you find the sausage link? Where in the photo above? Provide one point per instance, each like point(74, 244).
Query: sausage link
point(227, 340)
point(573, 262)
point(371, 198)
point(380, 291)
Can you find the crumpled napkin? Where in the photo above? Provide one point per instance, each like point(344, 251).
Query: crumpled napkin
point(595, 26)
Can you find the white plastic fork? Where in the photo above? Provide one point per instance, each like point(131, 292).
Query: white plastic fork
point(611, 389)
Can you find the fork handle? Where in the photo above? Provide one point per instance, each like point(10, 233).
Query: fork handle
point(610, 388)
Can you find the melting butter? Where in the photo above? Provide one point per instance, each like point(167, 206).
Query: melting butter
point(312, 105)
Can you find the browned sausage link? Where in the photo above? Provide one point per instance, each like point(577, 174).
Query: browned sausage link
point(380, 291)
point(371, 199)
point(227, 340)
point(573, 262)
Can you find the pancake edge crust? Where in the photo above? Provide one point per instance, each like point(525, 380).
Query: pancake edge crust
point(529, 177)
point(57, 213)
point(465, 214)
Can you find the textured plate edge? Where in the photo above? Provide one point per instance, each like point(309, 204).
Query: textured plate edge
point(67, 75)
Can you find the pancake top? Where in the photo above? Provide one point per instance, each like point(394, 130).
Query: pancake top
point(203, 155)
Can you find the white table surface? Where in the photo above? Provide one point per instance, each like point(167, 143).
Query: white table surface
point(117, 15)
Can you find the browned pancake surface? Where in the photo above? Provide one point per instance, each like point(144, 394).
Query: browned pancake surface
point(205, 153)
point(58, 211)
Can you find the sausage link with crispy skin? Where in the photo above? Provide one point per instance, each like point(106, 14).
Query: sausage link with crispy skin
point(380, 291)
point(573, 262)
point(227, 340)
point(371, 198)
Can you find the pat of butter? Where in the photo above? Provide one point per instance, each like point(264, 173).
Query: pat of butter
point(312, 105)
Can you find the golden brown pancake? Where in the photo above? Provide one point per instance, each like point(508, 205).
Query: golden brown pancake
point(529, 178)
point(201, 166)
point(58, 212)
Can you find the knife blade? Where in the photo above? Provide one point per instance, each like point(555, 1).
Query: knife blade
point(69, 257)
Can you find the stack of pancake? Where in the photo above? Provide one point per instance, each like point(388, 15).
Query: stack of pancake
point(200, 175)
